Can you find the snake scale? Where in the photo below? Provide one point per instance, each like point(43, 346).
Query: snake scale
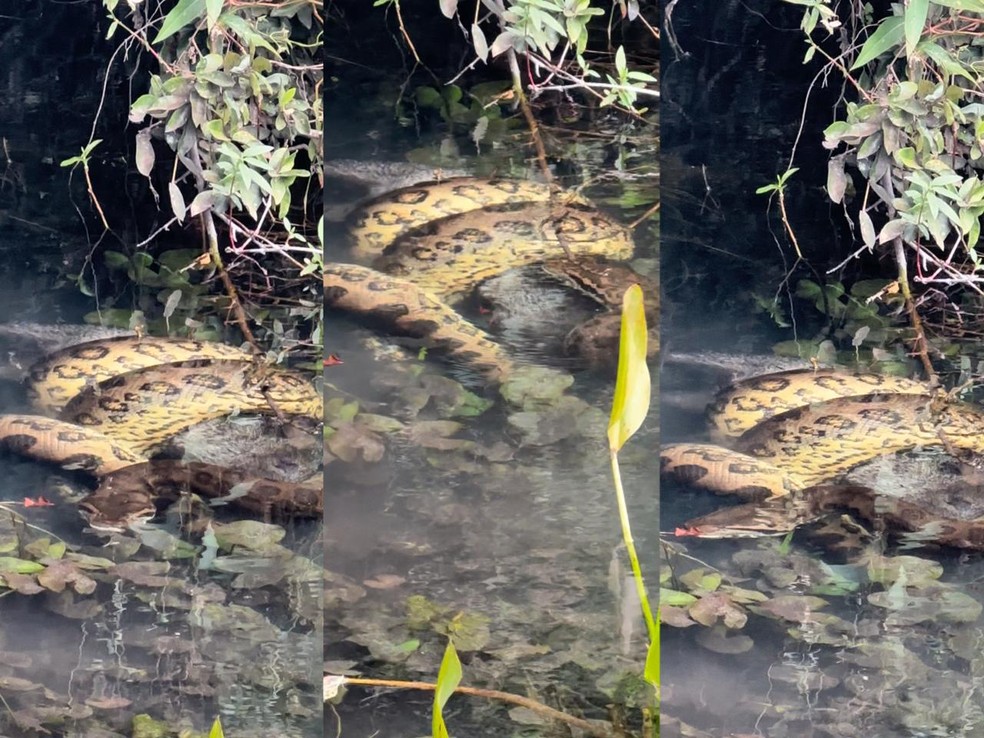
point(424, 246)
point(116, 400)
point(791, 431)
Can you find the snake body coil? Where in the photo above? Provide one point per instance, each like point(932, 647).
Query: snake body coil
point(785, 454)
point(430, 243)
point(109, 421)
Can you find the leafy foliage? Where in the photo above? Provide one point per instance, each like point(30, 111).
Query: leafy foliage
point(915, 136)
point(236, 100)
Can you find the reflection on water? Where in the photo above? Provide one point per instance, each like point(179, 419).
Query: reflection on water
point(158, 630)
point(835, 633)
point(451, 510)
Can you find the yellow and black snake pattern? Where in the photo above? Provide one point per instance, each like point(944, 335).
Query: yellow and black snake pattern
point(402, 304)
point(430, 243)
point(791, 431)
point(62, 375)
point(379, 222)
point(108, 421)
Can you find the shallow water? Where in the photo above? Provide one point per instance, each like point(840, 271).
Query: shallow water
point(142, 622)
point(822, 636)
point(503, 531)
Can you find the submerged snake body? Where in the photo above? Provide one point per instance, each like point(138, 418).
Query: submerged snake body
point(450, 255)
point(70, 446)
point(110, 425)
point(135, 492)
point(145, 407)
point(785, 457)
point(746, 403)
point(414, 312)
point(378, 223)
point(437, 240)
point(918, 522)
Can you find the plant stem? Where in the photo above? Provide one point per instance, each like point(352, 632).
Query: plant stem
point(623, 516)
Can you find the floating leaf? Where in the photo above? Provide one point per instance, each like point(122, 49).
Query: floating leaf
point(19, 566)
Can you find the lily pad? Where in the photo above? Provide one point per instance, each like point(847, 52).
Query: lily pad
point(711, 608)
point(795, 608)
point(534, 387)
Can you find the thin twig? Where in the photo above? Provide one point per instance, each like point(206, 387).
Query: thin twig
point(593, 729)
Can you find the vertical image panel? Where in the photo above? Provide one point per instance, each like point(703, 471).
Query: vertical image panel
point(160, 369)
point(821, 284)
point(491, 197)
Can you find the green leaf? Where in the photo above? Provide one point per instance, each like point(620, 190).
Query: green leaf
point(183, 14)
point(632, 385)
point(448, 679)
point(213, 8)
point(888, 34)
point(19, 566)
point(915, 14)
point(216, 731)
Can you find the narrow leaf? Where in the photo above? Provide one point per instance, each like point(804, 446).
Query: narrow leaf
point(867, 229)
point(479, 42)
point(888, 34)
point(915, 20)
point(177, 201)
point(448, 679)
point(216, 731)
point(173, 300)
point(213, 8)
point(183, 14)
point(145, 153)
point(632, 386)
point(448, 8)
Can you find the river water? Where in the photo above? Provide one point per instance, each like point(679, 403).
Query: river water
point(831, 633)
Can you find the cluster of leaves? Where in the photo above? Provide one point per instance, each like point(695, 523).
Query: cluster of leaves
point(914, 134)
point(549, 33)
point(237, 100)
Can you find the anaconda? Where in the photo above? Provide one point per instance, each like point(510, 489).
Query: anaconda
point(414, 312)
point(134, 494)
point(537, 305)
point(379, 222)
point(923, 521)
point(111, 424)
point(143, 408)
point(786, 456)
point(445, 237)
point(60, 376)
point(451, 255)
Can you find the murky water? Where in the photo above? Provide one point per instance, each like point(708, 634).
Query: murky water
point(834, 633)
point(459, 513)
point(162, 623)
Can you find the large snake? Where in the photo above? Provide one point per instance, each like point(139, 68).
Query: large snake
point(430, 243)
point(116, 400)
point(779, 455)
